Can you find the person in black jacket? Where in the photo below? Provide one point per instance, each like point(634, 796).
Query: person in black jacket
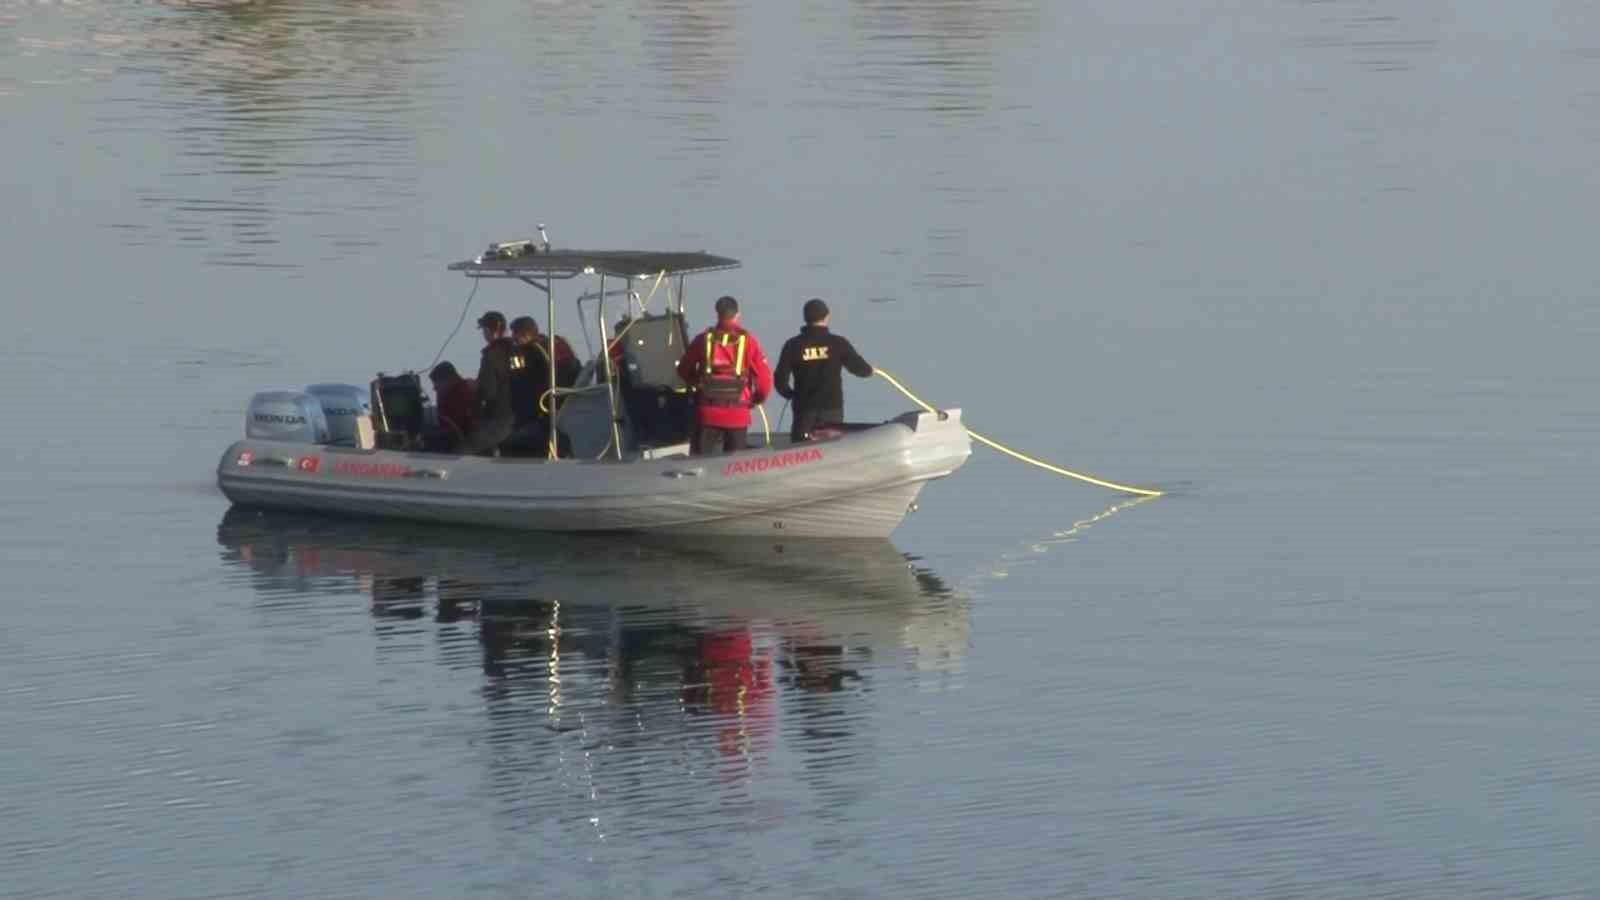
point(530, 381)
point(814, 359)
point(495, 419)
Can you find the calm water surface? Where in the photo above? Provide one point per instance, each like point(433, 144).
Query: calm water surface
point(1324, 270)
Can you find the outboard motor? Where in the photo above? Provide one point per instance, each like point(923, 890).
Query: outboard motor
point(286, 416)
point(344, 405)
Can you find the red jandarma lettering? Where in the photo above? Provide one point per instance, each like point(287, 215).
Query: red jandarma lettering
point(371, 469)
point(769, 463)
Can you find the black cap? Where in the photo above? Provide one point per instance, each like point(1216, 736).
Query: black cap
point(492, 318)
point(814, 311)
point(727, 308)
point(442, 371)
point(524, 323)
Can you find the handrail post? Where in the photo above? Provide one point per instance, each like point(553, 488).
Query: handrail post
point(555, 409)
point(611, 377)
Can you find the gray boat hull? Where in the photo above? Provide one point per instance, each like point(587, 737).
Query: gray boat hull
point(860, 484)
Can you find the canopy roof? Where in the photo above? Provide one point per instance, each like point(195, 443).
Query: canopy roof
point(527, 260)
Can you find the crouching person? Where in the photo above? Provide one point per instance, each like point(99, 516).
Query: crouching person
point(454, 397)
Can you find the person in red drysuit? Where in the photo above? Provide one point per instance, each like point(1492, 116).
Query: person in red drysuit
point(729, 371)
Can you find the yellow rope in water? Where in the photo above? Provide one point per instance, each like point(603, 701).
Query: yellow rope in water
point(1144, 492)
point(766, 425)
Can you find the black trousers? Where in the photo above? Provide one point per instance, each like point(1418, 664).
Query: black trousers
point(441, 440)
point(528, 439)
point(487, 438)
point(709, 441)
point(808, 420)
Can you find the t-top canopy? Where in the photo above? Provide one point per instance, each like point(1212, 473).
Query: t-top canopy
point(527, 259)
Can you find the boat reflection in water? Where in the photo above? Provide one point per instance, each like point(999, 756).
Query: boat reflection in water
point(599, 653)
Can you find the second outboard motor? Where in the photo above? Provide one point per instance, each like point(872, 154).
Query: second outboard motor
point(286, 416)
point(343, 405)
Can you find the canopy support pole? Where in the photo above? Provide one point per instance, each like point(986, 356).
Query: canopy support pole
point(550, 338)
point(611, 377)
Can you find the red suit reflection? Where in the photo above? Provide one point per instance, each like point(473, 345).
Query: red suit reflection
point(732, 679)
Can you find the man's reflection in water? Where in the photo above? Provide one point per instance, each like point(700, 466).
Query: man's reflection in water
point(729, 678)
point(819, 668)
point(517, 645)
point(399, 598)
point(827, 722)
point(458, 599)
point(634, 670)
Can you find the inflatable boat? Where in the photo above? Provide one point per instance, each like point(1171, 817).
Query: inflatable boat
point(623, 462)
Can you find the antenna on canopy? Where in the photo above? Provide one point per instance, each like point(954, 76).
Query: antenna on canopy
point(545, 238)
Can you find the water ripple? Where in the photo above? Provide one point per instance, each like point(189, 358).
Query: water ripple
point(282, 110)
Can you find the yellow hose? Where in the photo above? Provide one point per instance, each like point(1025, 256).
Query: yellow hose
point(1127, 488)
point(766, 425)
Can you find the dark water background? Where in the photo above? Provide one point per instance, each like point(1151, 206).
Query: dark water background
point(1326, 270)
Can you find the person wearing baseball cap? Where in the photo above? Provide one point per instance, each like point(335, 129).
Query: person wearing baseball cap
point(814, 358)
point(492, 413)
point(530, 381)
